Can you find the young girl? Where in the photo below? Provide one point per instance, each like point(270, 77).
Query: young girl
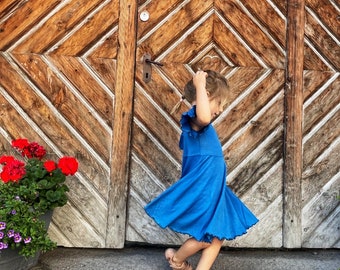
point(200, 204)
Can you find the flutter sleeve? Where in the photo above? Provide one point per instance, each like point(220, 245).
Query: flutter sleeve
point(186, 118)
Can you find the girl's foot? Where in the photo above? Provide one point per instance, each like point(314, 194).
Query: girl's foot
point(169, 255)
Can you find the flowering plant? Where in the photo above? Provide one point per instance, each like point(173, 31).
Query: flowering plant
point(27, 191)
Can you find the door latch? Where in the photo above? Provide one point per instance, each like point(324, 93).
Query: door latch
point(147, 67)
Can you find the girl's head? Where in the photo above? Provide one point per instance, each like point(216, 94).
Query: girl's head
point(216, 86)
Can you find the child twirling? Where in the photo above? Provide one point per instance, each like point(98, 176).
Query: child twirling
point(200, 204)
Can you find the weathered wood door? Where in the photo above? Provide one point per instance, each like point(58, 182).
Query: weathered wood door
point(222, 36)
point(245, 41)
point(57, 88)
point(67, 80)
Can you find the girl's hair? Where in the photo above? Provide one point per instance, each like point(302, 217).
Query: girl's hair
point(216, 85)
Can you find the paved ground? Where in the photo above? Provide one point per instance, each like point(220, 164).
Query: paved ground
point(151, 258)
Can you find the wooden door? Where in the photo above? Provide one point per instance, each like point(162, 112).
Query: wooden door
point(225, 37)
point(247, 42)
point(70, 79)
point(57, 87)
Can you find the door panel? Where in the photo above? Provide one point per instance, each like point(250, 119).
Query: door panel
point(54, 89)
point(209, 36)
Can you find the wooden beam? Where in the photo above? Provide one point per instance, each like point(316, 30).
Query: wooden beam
point(122, 123)
point(293, 125)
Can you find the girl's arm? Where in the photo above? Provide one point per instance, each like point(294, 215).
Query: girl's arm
point(203, 114)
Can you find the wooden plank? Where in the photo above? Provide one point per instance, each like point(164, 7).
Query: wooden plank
point(173, 28)
point(266, 190)
point(325, 134)
point(148, 152)
point(293, 125)
point(158, 11)
point(323, 236)
point(327, 13)
point(157, 125)
point(252, 34)
point(269, 18)
point(66, 102)
point(320, 172)
point(254, 134)
point(248, 107)
point(194, 42)
point(312, 61)
point(323, 42)
point(78, 233)
point(313, 81)
point(258, 164)
point(232, 47)
point(270, 237)
point(57, 26)
point(90, 88)
point(12, 123)
point(281, 5)
point(105, 50)
point(23, 20)
point(7, 7)
point(319, 207)
point(92, 31)
point(159, 90)
point(212, 60)
point(321, 184)
point(105, 69)
point(122, 123)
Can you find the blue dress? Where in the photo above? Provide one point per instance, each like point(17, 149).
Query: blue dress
point(200, 203)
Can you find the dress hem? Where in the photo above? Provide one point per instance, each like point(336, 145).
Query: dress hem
point(207, 235)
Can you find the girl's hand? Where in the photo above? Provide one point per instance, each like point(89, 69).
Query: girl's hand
point(199, 79)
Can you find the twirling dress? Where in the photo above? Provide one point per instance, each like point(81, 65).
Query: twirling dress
point(200, 203)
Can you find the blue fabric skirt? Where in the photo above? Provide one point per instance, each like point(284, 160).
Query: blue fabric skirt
point(201, 205)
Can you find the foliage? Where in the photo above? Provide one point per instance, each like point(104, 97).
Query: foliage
point(28, 190)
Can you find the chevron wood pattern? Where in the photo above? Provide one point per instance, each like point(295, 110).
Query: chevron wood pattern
point(245, 40)
point(54, 91)
point(58, 83)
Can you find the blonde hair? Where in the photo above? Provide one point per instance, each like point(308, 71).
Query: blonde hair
point(216, 85)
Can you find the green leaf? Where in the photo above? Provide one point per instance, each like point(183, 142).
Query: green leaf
point(53, 196)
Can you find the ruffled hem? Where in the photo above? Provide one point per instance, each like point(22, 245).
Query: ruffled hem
point(207, 237)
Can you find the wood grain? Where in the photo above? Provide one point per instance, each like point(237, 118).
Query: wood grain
point(69, 79)
point(293, 126)
point(115, 234)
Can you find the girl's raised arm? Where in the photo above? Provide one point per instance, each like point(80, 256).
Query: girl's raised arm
point(202, 101)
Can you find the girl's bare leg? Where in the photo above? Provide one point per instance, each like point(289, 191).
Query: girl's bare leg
point(192, 246)
point(209, 255)
point(189, 248)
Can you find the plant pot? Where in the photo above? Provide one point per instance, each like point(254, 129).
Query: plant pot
point(10, 259)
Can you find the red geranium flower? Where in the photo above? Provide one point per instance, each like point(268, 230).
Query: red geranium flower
point(35, 150)
point(6, 159)
point(13, 171)
point(68, 165)
point(29, 150)
point(20, 143)
point(50, 165)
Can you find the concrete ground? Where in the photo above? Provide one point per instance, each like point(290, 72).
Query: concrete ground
point(152, 258)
